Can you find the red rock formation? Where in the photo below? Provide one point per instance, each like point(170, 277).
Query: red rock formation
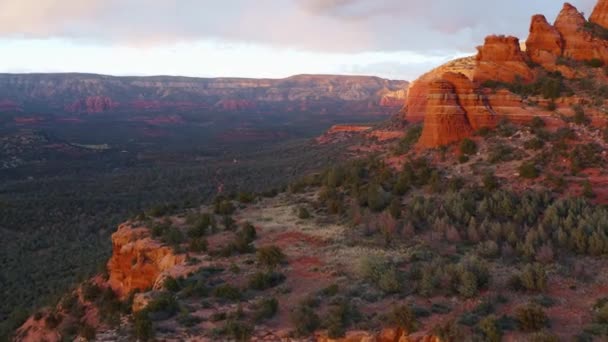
point(501, 59)
point(600, 14)
point(544, 44)
point(475, 104)
point(138, 261)
point(235, 104)
point(92, 104)
point(445, 120)
point(347, 129)
point(579, 43)
point(417, 96)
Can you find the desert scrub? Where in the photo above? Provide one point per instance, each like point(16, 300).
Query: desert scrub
point(270, 257)
point(304, 319)
point(380, 272)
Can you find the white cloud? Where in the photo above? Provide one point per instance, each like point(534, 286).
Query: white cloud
point(324, 25)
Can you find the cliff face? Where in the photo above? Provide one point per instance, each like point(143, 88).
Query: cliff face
point(417, 97)
point(600, 14)
point(579, 43)
point(501, 59)
point(138, 261)
point(83, 93)
point(544, 43)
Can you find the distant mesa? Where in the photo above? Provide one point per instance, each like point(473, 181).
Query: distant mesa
point(94, 94)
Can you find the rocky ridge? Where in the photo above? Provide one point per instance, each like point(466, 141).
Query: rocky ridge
point(85, 93)
point(565, 47)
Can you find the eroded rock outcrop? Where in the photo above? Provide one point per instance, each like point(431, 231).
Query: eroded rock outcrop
point(544, 44)
point(500, 58)
point(137, 260)
point(445, 120)
point(417, 97)
point(600, 14)
point(92, 104)
point(579, 42)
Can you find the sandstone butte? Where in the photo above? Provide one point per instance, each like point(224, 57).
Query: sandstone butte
point(451, 99)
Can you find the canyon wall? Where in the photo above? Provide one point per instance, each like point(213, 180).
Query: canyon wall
point(85, 93)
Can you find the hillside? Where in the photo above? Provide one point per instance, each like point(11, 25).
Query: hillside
point(477, 214)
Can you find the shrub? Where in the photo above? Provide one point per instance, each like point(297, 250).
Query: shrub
point(248, 232)
point(91, 291)
point(501, 153)
point(404, 318)
point(543, 336)
point(237, 330)
point(198, 245)
point(579, 115)
point(224, 207)
point(377, 198)
point(411, 137)
point(534, 278)
point(303, 213)
point(551, 106)
point(594, 63)
point(528, 170)
point(143, 328)
point(171, 284)
point(380, 272)
point(201, 225)
point(246, 197)
point(490, 182)
point(531, 318)
point(468, 146)
point(588, 190)
point(53, 320)
point(87, 332)
point(163, 306)
point(490, 329)
point(537, 123)
point(266, 309)
point(227, 292)
point(188, 320)
point(534, 144)
point(304, 319)
point(270, 257)
point(468, 287)
point(262, 281)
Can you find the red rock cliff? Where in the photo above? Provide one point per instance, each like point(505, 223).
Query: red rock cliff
point(416, 103)
point(544, 43)
point(500, 59)
point(579, 43)
point(600, 14)
point(445, 120)
point(138, 261)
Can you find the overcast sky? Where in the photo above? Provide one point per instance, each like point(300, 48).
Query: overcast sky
point(396, 39)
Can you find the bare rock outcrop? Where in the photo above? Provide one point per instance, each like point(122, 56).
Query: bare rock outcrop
point(137, 260)
point(500, 58)
point(600, 14)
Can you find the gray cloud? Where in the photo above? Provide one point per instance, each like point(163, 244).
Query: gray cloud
point(430, 26)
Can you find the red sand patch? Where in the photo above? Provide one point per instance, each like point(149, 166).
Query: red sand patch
point(306, 267)
point(292, 238)
point(28, 120)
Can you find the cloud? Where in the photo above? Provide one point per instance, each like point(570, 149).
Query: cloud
point(430, 26)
